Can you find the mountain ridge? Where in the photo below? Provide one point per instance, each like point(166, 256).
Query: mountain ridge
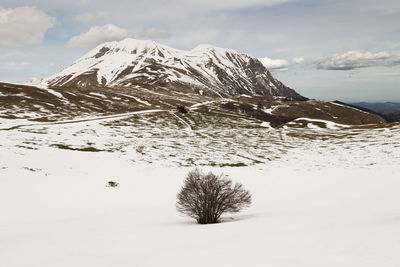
point(206, 69)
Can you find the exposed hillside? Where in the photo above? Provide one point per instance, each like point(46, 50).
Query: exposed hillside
point(67, 103)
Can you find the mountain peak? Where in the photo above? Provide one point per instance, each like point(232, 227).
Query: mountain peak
point(128, 45)
point(208, 47)
point(215, 50)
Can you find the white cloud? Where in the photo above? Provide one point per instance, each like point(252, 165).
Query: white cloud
point(154, 33)
point(394, 59)
point(97, 35)
point(352, 60)
point(193, 38)
point(280, 65)
point(14, 64)
point(275, 65)
point(189, 39)
point(88, 17)
point(232, 4)
point(298, 60)
point(154, 10)
point(16, 54)
point(23, 26)
point(84, 2)
point(346, 61)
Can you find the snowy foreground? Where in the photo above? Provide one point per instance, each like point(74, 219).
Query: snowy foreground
point(57, 211)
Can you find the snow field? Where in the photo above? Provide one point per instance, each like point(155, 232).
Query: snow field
point(320, 198)
point(60, 213)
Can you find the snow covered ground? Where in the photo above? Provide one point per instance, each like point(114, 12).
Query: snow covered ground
point(318, 201)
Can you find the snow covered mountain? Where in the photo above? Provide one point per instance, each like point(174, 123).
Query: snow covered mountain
point(204, 70)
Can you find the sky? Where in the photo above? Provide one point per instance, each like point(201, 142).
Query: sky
point(328, 50)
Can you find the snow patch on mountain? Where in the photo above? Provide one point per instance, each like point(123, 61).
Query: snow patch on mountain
point(145, 63)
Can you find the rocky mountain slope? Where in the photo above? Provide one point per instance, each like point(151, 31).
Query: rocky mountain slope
point(205, 70)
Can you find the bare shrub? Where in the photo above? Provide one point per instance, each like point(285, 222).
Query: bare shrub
point(181, 109)
point(205, 197)
point(112, 184)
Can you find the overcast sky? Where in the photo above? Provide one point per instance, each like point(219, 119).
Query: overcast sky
point(345, 50)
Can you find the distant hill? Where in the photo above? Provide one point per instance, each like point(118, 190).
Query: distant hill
point(390, 111)
point(380, 107)
point(392, 117)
